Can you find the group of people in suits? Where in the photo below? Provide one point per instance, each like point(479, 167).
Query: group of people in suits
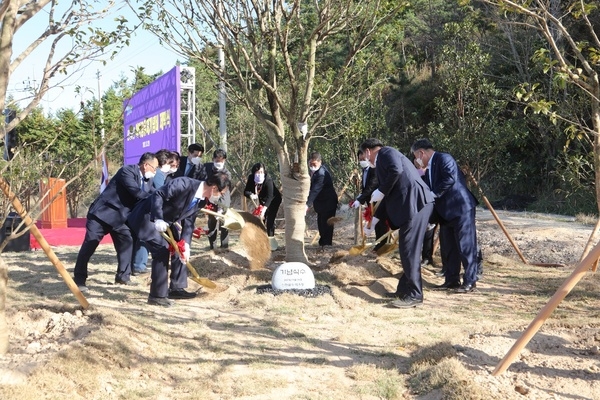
point(135, 208)
point(406, 200)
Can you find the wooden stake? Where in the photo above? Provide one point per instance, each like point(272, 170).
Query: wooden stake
point(489, 206)
point(545, 312)
point(43, 243)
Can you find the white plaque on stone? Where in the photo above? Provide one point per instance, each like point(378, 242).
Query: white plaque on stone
point(293, 275)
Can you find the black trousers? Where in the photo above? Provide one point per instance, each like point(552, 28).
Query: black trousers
point(212, 233)
point(95, 230)
point(410, 246)
point(270, 216)
point(325, 229)
point(159, 287)
point(458, 246)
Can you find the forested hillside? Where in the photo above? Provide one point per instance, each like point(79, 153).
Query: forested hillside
point(479, 80)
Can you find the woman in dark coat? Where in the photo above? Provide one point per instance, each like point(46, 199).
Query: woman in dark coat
point(261, 189)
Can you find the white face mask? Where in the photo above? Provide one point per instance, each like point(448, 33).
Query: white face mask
point(420, 162)
point(364, 164)
point(259, 178)
point(149, 174)
point(219, 165)
point(196, 160)
point(314, 169)
point(214, 198)
point(165, 168)
point(172, 170)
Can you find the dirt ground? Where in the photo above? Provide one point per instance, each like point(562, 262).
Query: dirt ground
point(232, 343)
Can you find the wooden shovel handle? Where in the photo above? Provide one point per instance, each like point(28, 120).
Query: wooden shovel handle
point(195, 276)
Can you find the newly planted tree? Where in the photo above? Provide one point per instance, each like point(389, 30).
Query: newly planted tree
point(287, 62)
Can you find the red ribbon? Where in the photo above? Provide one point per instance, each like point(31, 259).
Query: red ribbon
point(180, 245)
point(258, 210)
point(367, 214)
point(198, 232)
point(210, 207)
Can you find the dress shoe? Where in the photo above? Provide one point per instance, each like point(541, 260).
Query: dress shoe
point(140, 272)
point(392, 295)
point(407, 302)
point(180, 294)
point(126, 283)
point(160, 301)
point(447, 286)
point(426, 262)
point(441, 273)
point(466, 288)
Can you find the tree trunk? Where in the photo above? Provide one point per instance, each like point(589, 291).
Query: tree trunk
point(3, 325)
point(295, 193)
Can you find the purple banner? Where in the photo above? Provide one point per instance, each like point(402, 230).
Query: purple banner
point(151, 118)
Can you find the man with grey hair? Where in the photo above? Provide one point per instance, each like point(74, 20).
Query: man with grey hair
point(455, 205)
point(408, 203)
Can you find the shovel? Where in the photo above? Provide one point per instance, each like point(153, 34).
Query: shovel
point(232, 220)
point(388, 247)
point(358, 249)
point(195, 277)
point(368, 245)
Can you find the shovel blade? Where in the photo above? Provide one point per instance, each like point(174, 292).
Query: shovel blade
point(204, 282)
point(356, 250)
point(386, 248)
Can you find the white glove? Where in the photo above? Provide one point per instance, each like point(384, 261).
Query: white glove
point(186, 253)
point(367, 231)
point(356, 204)
point(376, 196)
point(160, 225)
point(262, 212)
point(254, 196)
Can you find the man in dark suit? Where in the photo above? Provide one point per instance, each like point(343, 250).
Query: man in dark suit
point(176, 201)
point(209, 170)
point(322, 197)
point(455, 206)
point(408, 204)
point(190, 163)
point(108, 213)
point(368, 184)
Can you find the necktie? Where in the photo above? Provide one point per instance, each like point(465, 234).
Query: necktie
point(193, 203)
point(188, 167)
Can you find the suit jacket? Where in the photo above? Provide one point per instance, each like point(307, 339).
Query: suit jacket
point(120, 196)
point(405, 192)
point(171, 203)
point(183, 162)
point(449, 186)
point(322, 195)
point(369, 184)
point(208, 172)
point(267, 194)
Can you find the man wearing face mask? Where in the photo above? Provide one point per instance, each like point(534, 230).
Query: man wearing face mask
point(168, 162)
point(177, 201)
point(190, 164)
point(368, 185)
point(108, 213)
point(408, 203)
point(209, 170)
point(455, 206)
point(322, 197)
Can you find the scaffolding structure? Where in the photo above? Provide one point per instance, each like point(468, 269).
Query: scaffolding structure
point(188, 104)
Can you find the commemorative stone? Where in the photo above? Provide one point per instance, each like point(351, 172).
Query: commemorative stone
point(293, 275)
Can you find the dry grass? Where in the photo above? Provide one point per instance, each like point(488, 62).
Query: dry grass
point(230, 343)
